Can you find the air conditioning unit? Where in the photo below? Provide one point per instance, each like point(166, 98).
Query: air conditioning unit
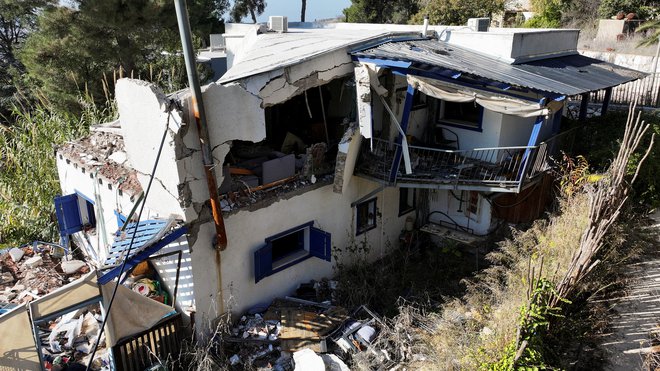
point(217, 41)
point(278, 23)
point(478, 24)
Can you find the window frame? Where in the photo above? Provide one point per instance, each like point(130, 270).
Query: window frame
point(374, 224)
point(411, 207)
point(317, 243)
point(461, 124)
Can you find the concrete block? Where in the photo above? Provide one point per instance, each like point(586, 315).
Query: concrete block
point(278, 169)
point(71, 266)
point(16, 254)
point(34, 261)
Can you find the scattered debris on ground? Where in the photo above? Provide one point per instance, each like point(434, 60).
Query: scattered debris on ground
point(305, 331)
point(67, 341)
point(34, 270)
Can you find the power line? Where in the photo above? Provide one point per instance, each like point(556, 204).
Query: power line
point(130, 245)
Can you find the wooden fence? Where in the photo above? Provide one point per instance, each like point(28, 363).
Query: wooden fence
point(646, 91)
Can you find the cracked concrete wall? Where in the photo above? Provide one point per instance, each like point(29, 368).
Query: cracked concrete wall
point(143, 115)
point(281, 85)
point(347, 154)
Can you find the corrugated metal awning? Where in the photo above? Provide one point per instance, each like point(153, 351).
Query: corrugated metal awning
point(567, 75)
point(150, 237)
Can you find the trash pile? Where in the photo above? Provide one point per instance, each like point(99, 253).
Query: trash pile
point(29, 272)
point(68, 340)
point(301, 332)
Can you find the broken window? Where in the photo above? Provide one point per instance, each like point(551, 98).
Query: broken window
point(407, 200)
point(302, 136)
point(291, 247)
point(366, 216)
point(466, 115)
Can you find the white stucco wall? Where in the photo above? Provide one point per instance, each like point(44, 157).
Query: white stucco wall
point(442, 200)
point(105, 200)
point(72, 179)
point(246, 231)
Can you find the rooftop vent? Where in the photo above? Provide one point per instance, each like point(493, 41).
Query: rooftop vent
point(479, 24)
point(278, 23)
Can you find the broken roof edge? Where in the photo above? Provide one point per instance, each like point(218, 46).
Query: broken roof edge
point(386, 36)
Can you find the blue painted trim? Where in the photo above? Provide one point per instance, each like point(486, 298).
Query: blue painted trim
point(288, 231)
point(143, 255)
point(405, 118)
point(82, 195)
point(121, 218)
point(534, 136)
point(385, 40)
point(384, 62)
point(290, 264)
point(436, 76)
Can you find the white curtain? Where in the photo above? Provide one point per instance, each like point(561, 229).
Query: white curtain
point(490, 101)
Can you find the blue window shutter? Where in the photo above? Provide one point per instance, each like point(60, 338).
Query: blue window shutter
point(320, 244)
point(121, 219)
point(68, 214)
point(263, 262)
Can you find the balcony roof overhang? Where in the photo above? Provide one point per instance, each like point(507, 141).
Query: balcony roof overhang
point(567, 75)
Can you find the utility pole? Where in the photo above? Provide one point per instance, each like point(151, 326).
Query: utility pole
point(200, 120)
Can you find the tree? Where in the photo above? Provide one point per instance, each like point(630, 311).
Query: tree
point(652, 28)
point(374, 11)
point(242, 8)
point(78, 50)
point(17, 19)
point(456, 12)
point(303, 9)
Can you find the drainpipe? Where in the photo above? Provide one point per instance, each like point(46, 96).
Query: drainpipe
point(200, 120)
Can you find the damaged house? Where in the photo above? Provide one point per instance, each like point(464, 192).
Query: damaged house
point(324, 138)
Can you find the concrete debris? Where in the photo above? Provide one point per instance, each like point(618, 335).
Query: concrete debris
point(34, 262)
point(16, 254)
point(103, 154)
point(334, 363)
point(38, 272)
point(308, 360)
point(72, 266)
point(304, 331)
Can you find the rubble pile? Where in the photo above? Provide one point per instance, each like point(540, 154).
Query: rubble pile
point(104, 153)
point(305, 331)
point(29, 272)
point(249, 196)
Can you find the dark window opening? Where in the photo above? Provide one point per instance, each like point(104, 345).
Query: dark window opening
point(290, 248)
point(302, 136)
point(366, 216)
point(407, 200)
point(467, 115)
point(289, 245)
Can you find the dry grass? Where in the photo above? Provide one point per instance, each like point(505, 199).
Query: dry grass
point(475, 329)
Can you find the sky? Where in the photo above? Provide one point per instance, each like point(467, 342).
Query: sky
point(316, 9)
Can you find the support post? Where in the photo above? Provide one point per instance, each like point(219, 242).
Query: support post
point(200, 120)
point(583, 106)
point(405, 118)
point(606, 101)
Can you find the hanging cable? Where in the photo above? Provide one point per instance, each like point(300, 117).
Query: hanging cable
point(130, 245)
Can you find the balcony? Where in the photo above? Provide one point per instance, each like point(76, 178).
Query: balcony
point(497, 169)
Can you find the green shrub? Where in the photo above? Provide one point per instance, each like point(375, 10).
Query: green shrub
point(605, 134)
point(28, 173)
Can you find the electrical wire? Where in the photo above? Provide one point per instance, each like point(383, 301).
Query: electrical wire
point(130, 245)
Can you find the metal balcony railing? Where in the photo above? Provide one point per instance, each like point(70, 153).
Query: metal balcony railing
point(503, 169)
